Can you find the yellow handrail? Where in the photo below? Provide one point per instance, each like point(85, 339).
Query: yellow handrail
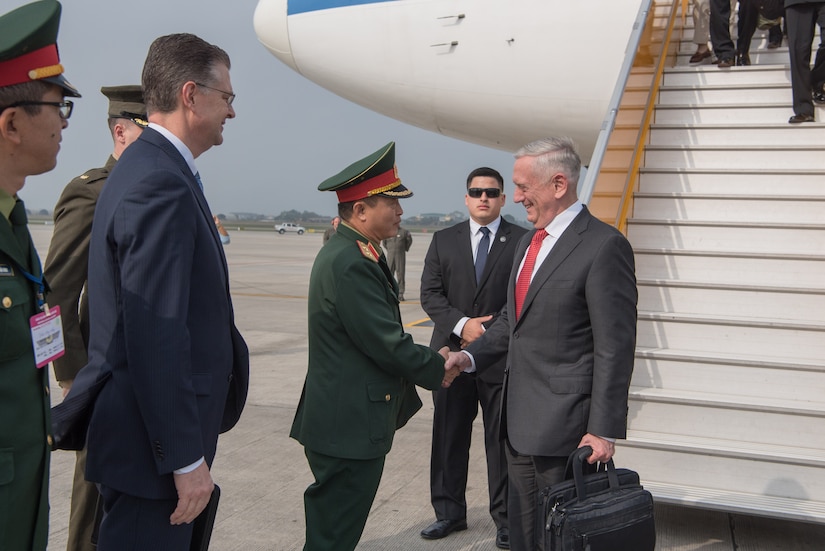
point(641, 140)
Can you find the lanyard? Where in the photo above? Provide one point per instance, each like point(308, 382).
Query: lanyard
point(38, 281)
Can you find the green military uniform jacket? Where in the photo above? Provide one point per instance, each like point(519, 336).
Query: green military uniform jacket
point(362, 365)
point(25, 423)
point(67, 264)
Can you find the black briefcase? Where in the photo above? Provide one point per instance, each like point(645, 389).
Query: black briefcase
point(608, 510)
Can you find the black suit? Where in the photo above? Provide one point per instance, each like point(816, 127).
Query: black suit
point(449, 293)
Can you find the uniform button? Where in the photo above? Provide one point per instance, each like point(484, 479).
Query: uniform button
point(50, 440)
point(515, 335)
point(6, 302)
point(387, 398)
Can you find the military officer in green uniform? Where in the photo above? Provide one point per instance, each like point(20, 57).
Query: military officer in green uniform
point(33, 113)
point(363, 367)
point(66, 269)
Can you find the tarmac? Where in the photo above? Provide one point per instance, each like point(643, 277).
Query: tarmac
point(263, 473)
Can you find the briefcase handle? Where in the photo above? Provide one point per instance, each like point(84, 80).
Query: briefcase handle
point(576, 462)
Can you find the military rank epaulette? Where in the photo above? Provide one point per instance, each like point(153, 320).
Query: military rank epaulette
point(368, 251)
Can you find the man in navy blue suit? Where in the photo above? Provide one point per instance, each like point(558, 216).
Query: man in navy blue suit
point(161, 316)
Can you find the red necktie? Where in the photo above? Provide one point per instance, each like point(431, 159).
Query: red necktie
point(523, 281)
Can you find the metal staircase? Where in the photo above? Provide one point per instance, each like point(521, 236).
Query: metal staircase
point(727, 401)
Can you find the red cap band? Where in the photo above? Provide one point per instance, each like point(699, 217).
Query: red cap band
point(16, 71)
point(379, 184)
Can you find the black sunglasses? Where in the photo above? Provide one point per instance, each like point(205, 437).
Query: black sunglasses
point(476, 192)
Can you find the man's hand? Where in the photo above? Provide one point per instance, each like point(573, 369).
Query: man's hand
point(603, 450)
point(458, 359)
point(473, 329)
point(449, 374)
point(194, 490)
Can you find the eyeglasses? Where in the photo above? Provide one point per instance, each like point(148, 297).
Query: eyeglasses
point(65, 107)
point(229, 99)
point(476, 192)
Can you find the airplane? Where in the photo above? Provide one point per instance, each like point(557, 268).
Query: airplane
point(493, 72)
point(726, 401)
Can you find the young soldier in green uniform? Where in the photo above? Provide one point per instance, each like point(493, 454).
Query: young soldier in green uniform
point(66, 270)
point(33, 115)
point(362, 365)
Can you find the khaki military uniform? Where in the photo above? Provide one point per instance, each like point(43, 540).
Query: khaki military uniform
point(67, 269)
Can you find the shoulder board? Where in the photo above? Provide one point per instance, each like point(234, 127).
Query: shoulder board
point(93, 175)
point(368, 251)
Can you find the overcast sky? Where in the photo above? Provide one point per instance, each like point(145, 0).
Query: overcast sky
point(289, 133)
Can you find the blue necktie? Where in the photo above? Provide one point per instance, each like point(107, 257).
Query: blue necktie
point(198, 178)
point(481, 253)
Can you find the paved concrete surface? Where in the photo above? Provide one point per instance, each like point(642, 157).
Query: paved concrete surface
point(263, 473)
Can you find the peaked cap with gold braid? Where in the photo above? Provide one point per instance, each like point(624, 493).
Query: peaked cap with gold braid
point(375, 174)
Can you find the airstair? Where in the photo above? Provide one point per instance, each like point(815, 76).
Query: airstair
point(726, 214)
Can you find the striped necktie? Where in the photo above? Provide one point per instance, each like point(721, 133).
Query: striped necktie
point(526, 274)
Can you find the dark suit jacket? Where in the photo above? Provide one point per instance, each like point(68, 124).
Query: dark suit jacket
point(571, 353)
point(161, 323)
point(448, 284)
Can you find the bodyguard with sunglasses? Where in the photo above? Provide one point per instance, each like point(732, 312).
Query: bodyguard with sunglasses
point(463, 287)
point(33, 115)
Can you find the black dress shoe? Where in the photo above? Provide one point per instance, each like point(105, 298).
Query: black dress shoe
point(443, 528)
point(796, 119)
point(743, 60)
point(819, 96)
point(503, 538)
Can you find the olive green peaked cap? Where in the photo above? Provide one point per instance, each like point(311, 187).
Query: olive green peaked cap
point(126, 102)
point(28, 46)
point(375, 174)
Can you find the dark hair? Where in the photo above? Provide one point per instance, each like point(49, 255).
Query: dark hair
point(26, 91)
point(345, 209)
point(488, 172)
point(173, 60)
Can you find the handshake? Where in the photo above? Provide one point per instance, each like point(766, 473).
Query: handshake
point(454, 364)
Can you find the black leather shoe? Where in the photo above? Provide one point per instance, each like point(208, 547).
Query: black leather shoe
point(503, 538)
point(796, 119)
point(743, 60)
point(443, 528)
point(819, 96)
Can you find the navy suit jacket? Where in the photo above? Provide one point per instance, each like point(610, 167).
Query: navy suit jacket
point(448, 284)
point(162, 326)
point(570, 354)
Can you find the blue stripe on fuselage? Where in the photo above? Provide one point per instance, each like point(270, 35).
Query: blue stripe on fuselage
point(301, 6)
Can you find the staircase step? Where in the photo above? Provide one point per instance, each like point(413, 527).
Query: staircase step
point(751, 376)
point(768, 423)
point(740, 134)
point(721, 237)
point(722, 180)
point(809, 157)
point(783, 270)
point(727, 94)
point(776, 113)
point(759, 56)
point(730, 208)
point(710, 335)
point(754, 302)
point(715, 476)
point(711, 75)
